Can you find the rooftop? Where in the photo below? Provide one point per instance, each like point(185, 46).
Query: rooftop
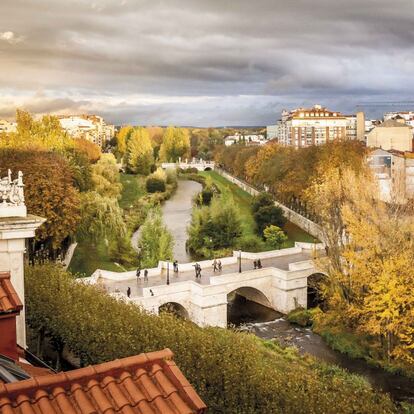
point(9, 300)
point(148, 383)
point(392, 123)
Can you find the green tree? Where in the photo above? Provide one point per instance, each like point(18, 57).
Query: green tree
point(155, 241)
point(214, 227)
point(139, 152)
point(106, 178)
point(175, 144)
point(101, 217)
point(274, 236)
point(268, 215)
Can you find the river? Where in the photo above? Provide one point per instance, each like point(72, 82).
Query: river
point(176, 212)
point(269, 324)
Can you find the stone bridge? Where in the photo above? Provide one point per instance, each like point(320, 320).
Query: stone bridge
point(200, 164)
point(280, 284)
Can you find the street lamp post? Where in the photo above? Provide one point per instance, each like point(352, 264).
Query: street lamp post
point(168, 272)
point(240, 269)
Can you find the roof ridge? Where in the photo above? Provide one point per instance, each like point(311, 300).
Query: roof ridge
point(84, 374)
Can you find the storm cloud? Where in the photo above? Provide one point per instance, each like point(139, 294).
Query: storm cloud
point(203, 62)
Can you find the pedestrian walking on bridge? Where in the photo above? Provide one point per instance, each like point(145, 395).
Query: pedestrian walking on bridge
point(219, 265)
point(129, 292)
point(259, 264)
point(214, 265)
point(146, 275)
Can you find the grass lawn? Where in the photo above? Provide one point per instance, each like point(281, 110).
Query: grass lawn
point(243, 202)
point(88, 257)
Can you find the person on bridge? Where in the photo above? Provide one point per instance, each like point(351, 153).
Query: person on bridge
point(146, 275)
point(138, 273)
point(175, 265)
point(259, 264)
point(255, 264)
point(129, 292)
point(214, 265)
point(219, 265)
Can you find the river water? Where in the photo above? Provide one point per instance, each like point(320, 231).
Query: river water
point(176, 213)
point(269, 324)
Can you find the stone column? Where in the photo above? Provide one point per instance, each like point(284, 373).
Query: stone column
point(15, 227)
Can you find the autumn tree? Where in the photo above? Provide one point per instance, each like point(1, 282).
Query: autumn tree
point(91, 150)
point(49, 192)
point(369, 261)
point(175, 144)
point(122, 138)
point(139, 156)
point(45, 134)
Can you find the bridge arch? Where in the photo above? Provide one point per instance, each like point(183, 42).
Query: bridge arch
point(314, 294)
point(207, 169)
point(174, 308)
point(248, 304)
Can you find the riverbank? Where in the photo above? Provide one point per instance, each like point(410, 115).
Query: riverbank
point(346, 342)
point(243, 200)
point(135, 202)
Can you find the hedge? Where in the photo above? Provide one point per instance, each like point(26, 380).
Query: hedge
point(233, 372)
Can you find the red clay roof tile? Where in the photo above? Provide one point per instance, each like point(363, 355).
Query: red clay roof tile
point(9, 300)
point(144, 384)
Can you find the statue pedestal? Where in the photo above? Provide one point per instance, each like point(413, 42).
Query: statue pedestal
point(13, 233)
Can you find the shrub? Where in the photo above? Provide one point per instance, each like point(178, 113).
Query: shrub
point(251, 243)
point(233, 372)
point(155, 185)
point(274, 236)
point(302, 317)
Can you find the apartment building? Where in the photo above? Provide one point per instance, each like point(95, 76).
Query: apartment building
point(90, 127)
point(315, 126)
point(6, 126)
point(251, 139)
point(394, 172)
point(392, 134)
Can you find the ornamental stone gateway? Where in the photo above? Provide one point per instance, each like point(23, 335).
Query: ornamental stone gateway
point(15, 227)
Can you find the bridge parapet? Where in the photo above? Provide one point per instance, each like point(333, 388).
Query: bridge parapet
point(199, 164)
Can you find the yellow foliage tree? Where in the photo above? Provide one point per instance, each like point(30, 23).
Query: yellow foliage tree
point(175, 144)
point(370, 260)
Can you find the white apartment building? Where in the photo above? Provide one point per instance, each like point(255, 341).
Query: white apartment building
point(252, 139)
point(90, 127)
point(272, 131)
point(314, 126)
point(6, 126)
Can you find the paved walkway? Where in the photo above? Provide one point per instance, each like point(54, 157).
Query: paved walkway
point(247, 264)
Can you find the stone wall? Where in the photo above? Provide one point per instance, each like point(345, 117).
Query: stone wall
point(304, 223)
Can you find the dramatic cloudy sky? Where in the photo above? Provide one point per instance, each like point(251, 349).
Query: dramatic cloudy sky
point(203, 62)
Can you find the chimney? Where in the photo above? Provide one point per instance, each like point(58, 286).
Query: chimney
point(360, 126)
